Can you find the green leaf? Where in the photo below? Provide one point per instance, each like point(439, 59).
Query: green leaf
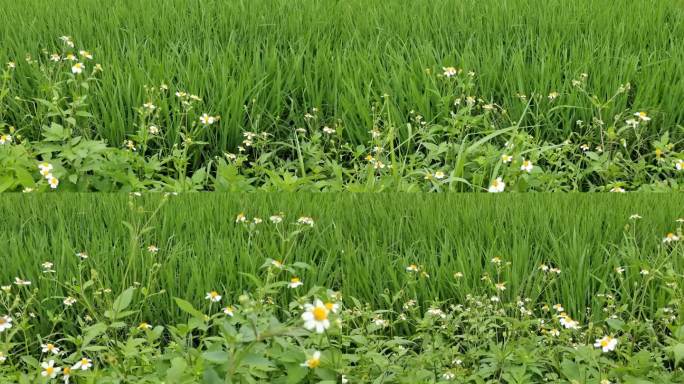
point(186, 307)
point(217, 357)
point(123, 300)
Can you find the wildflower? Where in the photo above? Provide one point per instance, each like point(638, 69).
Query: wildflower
point(77, 68)
point(496, 260)
point(635, 217)
point(620, 270)
point(153, 130)
point(380, 322)
point(49, 369)
point(632, 123)
point(213, 296)
point(553, 96)
point(55, 57)
point(449, 71)
point(50, 348)
point(314, 361)
point(5, 139)
point(47, 267)
point(82, 255)
point(679, 164)
point(67, 40)
point(45, 168)
point(295, 282)
point(332, 307)
point(554, 332)
point(316, 316)
point(277, 264)
point(304, 220)
point(86, 54)
point(230, 311)
point(18, 281)
point(558, 308)
point(69, 301)
point(206, 119)
point(149, 106)
point(606, 343)
point(152, 248)
point(526, 166)
point(605, 381)
point(53, 181)
point(644, 272)
point(494, 299)
point(500, 286)
point(506, 158)
point(557, 271)
point(2, 357)
point(617, 190)
point(670, 237)
point(436, 312)
point(567, 321)
point(584, 147)
point(276, 219)
point(66, 374)
point(497, 185)
point(458, 275)
point(84, 364)
point(6, 288)
point(144, 326)
point(328, 130)
point(439, 175)
point(412, 268)
point(448, 376)
point(11, 65)
point(5, 323)
point(642, 116)
point(240, 218)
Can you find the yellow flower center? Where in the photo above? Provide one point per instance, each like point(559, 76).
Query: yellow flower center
point(329, 305)
point(49, 370)
point(84, 361)
point(605, 342)
point(213, 294)
point(67, 371)
point(313, 362)
point(295, 280)
point(320, 313)
point(3, 321)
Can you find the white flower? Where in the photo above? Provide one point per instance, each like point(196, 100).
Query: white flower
point(439, 175)
point(49, 369)
point(53, 181)
point(50, 348)
point(206, 119)
point(314, 361)
point(19, 281)
point(497, 185)
point(153, 130)
point(69, 301)
point(305, 220)
point(86, 54)
point(670, 238)
point(567, 321)
point(152, 248)
point(276, 219)
point(635, 217)
point(642, 116)
point(295, 282)
point(448, 376)
point(606, 343)
point(230, 311)
point(5, 323)
point(5, 139)
point(526, 166)
point(617, 190)
point(2, 357)
point(558, 307)
point(82, 255)
point(679, 164)
point(449, 71)
point(506, 158)
point(328, 130)
point(84, 364)
point(213, 296)
point(316, 316)
point(77, 68)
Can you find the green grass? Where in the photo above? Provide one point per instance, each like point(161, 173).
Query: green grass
point(360, 244)
point(341, 56)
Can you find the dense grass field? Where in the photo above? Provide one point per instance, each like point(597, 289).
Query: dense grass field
point(359, 244)
point(342, 56)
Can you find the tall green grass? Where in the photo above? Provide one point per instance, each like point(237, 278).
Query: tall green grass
point(360, 244)
point(342, 56)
